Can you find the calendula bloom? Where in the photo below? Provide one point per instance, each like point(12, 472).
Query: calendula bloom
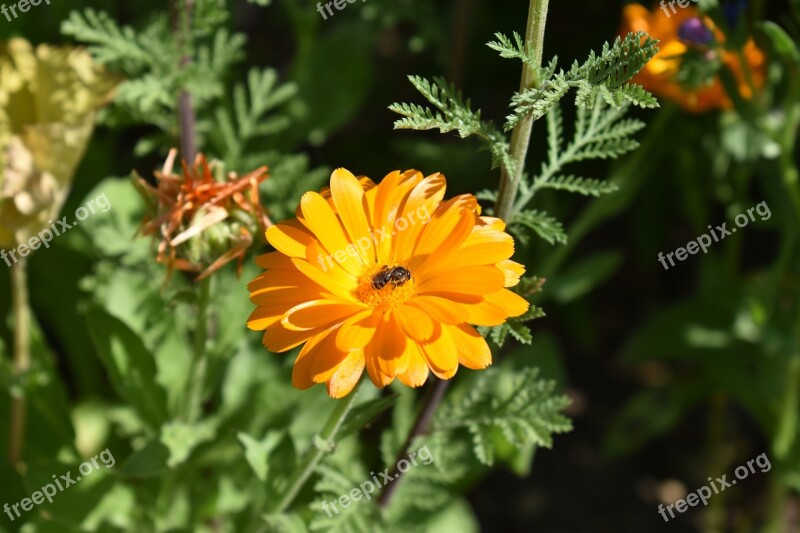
point(202, 223)
point(389, 277)
point(686, 34)
point(49, 97)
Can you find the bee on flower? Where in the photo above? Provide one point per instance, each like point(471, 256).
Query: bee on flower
point(403, 305)
point(692, 52)
point(202, 223)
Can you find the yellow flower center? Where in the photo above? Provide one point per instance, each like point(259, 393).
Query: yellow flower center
point(375, 293)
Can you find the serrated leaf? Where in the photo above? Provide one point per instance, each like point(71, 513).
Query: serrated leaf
point(514, 402)
point(585, 186)
point(520, 332)
point(547, 227)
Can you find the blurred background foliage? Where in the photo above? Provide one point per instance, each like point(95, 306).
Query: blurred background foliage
point(674, 375)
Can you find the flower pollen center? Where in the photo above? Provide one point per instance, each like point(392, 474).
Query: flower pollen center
point(385, 286)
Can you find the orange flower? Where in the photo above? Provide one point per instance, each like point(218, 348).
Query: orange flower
point(386, 277)
point(659, 75)
point(203, 223)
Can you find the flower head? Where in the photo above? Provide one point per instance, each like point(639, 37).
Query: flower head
point(49, 97)
point(689, 58)
point(387, 277)
point(203, 223)
point(694, 32)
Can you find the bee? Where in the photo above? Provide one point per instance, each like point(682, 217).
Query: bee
point(396, 275)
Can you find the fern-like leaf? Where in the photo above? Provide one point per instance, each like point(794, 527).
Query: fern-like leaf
point(523, 408)
point(584, 186)
point(451, 113)
point(547, 227)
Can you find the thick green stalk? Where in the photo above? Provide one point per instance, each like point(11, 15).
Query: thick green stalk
point(314, 455)
point(521, 136)
point(197, 374)
point(22, 356)
point(520, 139)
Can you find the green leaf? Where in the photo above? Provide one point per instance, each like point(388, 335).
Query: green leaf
point(617, 63)
point(537, 102)
point(182, 438)
point(109, 43)
point(452, 113)
point(604, 76)
point(256, 452)
point(520, 332)
point(577, 281)
point(149, 461)
point(781, 42)
point(363, 413)
point(522, 407)
point(575, 184)
point(284, 523)
point(130, 365)
point(547, 227)
point(516, 50)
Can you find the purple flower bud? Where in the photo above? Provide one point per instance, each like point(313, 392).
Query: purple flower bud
point(693, 31)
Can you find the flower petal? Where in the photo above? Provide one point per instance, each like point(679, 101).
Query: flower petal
point(390, 196)
point(387, 349)
point(279, 339)
point(515, 304)
point(318, 314)
point(441, 309)
point(347, 375)
point(417, 373)
point(348, 196)
point(416, 213)
point(341, 288)
point(473, 351)
point(358, 330)
point(441, 355)
point(323, 222)
point(468, 280)
point(512, 271)
point(482, 247)
point(301, 372)
point(442, 234)
point(289, 238)
point(415, 322)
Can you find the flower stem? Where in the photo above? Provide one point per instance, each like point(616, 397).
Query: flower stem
point(521, 136)
point(420, 427)
point(181, 15)
point(520, 139)
point(197, 373)
point(314, 455)
point(22, 357)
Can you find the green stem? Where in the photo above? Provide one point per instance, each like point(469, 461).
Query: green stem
point(714, 519)
point(521, 136)
point(197, 373)
point(327, 437)
point(22, 357)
